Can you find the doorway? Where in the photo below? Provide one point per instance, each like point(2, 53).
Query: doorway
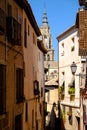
point(18, 122)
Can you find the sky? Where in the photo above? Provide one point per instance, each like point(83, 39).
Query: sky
point(61, 15)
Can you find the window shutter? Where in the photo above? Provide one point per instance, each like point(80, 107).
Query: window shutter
point(84, 113)
point(2, 88)
point(19, 85)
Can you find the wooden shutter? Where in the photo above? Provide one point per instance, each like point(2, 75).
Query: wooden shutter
point(19, 85)
point(26, 111)
point(9, 10)
point(2, 88)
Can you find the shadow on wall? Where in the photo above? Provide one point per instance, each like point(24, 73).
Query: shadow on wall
point(55, 123)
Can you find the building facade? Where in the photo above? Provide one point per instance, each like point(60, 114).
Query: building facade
point(70, 85)
point(21, 68)
point(11, 66)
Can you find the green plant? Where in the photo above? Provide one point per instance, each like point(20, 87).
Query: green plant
point(69, 113)
point(61, 89)
point(71, 90)
point(63, 116)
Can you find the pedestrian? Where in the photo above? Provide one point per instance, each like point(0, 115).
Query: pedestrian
point(52, 119)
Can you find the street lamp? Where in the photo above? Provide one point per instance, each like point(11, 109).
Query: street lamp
point(73, 68)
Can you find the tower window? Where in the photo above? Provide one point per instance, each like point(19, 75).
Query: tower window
point(49, 43)
point(45, 36)
point(48, 57)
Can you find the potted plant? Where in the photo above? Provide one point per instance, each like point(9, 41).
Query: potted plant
point(61, 89)
point(71, 90)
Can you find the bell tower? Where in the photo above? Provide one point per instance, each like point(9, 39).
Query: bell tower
point(47, 38)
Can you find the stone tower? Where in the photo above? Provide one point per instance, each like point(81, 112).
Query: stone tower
point(47, 38)
point(51, 69)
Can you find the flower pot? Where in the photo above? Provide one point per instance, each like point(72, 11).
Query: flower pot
point(72, 97)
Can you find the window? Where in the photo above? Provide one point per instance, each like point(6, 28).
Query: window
point(36, 87)
point(50, 43)
point(2, 89)
point(73, 45)
point(73, 39)
point(25, 33)
point(48, 57)
point(2, 21)
point(19, 85)
point(62, 52)
point(72, 48)
point(33, 38)
point(41, 92)
point(28, 30)
point(32, 118)
point(45, 36)
point(9, 10)
point(26, 111)
point(13, 31)
point(45, 57)
point(18, 122)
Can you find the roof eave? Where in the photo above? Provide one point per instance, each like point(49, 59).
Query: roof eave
point(26, 6)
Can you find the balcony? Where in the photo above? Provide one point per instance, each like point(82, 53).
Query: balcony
point(13, 31)
point(2, 21)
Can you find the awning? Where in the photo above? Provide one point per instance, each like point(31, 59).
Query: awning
point(72, 82)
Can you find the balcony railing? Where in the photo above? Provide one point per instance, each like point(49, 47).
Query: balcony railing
point(2, 21)
point(13, 30)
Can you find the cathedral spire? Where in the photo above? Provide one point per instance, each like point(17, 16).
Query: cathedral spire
point(45, 20)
